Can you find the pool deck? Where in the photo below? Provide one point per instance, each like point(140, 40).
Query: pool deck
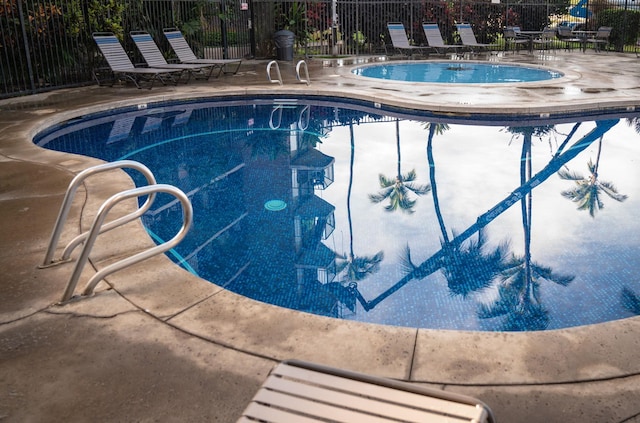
point(159, 344)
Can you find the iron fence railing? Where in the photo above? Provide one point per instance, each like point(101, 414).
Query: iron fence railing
point(46, 45)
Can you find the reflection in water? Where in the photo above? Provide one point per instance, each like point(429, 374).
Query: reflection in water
point(398, 189)
point(352, 268)
point(630, 301)
point(588, 191)
point(468, 267)
point(472, 261)
point(519, 297)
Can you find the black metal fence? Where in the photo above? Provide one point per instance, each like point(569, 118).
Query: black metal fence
point(46, 45)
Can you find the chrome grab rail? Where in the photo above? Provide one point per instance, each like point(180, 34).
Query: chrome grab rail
point(95, 230)
point(66, 206)
point(269, 66)
point(302, 64)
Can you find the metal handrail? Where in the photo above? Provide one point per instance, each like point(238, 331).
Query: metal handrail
point(95, 230)
point(269, 66)
point(302, 64)
point(66, 206)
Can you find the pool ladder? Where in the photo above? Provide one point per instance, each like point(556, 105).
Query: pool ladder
point(98, 226)
point(301, 66)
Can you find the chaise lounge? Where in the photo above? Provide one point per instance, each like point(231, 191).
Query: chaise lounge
point(435, 41)
point(154, 58)
point(468, 38)
point(297, 391)
point(186, 55)
point(400, 41)
point(121, 66)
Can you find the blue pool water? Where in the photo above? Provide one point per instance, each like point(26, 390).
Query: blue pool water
point(458, 72)
point(390, 216)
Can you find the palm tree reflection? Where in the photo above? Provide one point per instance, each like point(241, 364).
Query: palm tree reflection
point(630, 300)
point(536, 272)
point(466, 267)
point(397, 189)
point(519, 297)
point(588, 190)
point(355, 268)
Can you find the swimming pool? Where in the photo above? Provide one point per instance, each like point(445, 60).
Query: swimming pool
point(283, 188)
point(456, 72)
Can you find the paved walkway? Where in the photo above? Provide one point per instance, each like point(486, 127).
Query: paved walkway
point(158, 344)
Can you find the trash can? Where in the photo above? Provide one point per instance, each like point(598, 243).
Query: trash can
point(284, 40)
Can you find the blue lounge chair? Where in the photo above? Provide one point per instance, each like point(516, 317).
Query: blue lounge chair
point(121, 66)
point(186, 55)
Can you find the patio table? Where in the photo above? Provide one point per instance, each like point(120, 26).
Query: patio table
point(584, 36)
point(531, 35)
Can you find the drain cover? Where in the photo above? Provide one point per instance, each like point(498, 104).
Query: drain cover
point(275, 205)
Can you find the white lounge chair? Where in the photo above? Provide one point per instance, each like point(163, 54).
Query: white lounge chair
point(435, 41)
point(400, 41)
point(121, 66)
point(154, 58)
point(186, 55)
point(468, 38)
point(297, 391)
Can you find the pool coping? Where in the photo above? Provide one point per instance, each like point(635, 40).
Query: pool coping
point(587, 353)
point(565, 77)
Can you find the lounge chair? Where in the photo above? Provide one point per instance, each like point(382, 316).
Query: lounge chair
point(400, 41)
point(511, 39)
point(185, 53)
point(122, 67)
point(468, 38)
point(601, 38)
point(154, 58)
point(297, 391)
point(435, 41)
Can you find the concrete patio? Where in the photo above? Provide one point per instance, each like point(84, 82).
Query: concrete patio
point(159, 344)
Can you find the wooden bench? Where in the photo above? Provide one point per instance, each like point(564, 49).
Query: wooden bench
point(302, 392)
